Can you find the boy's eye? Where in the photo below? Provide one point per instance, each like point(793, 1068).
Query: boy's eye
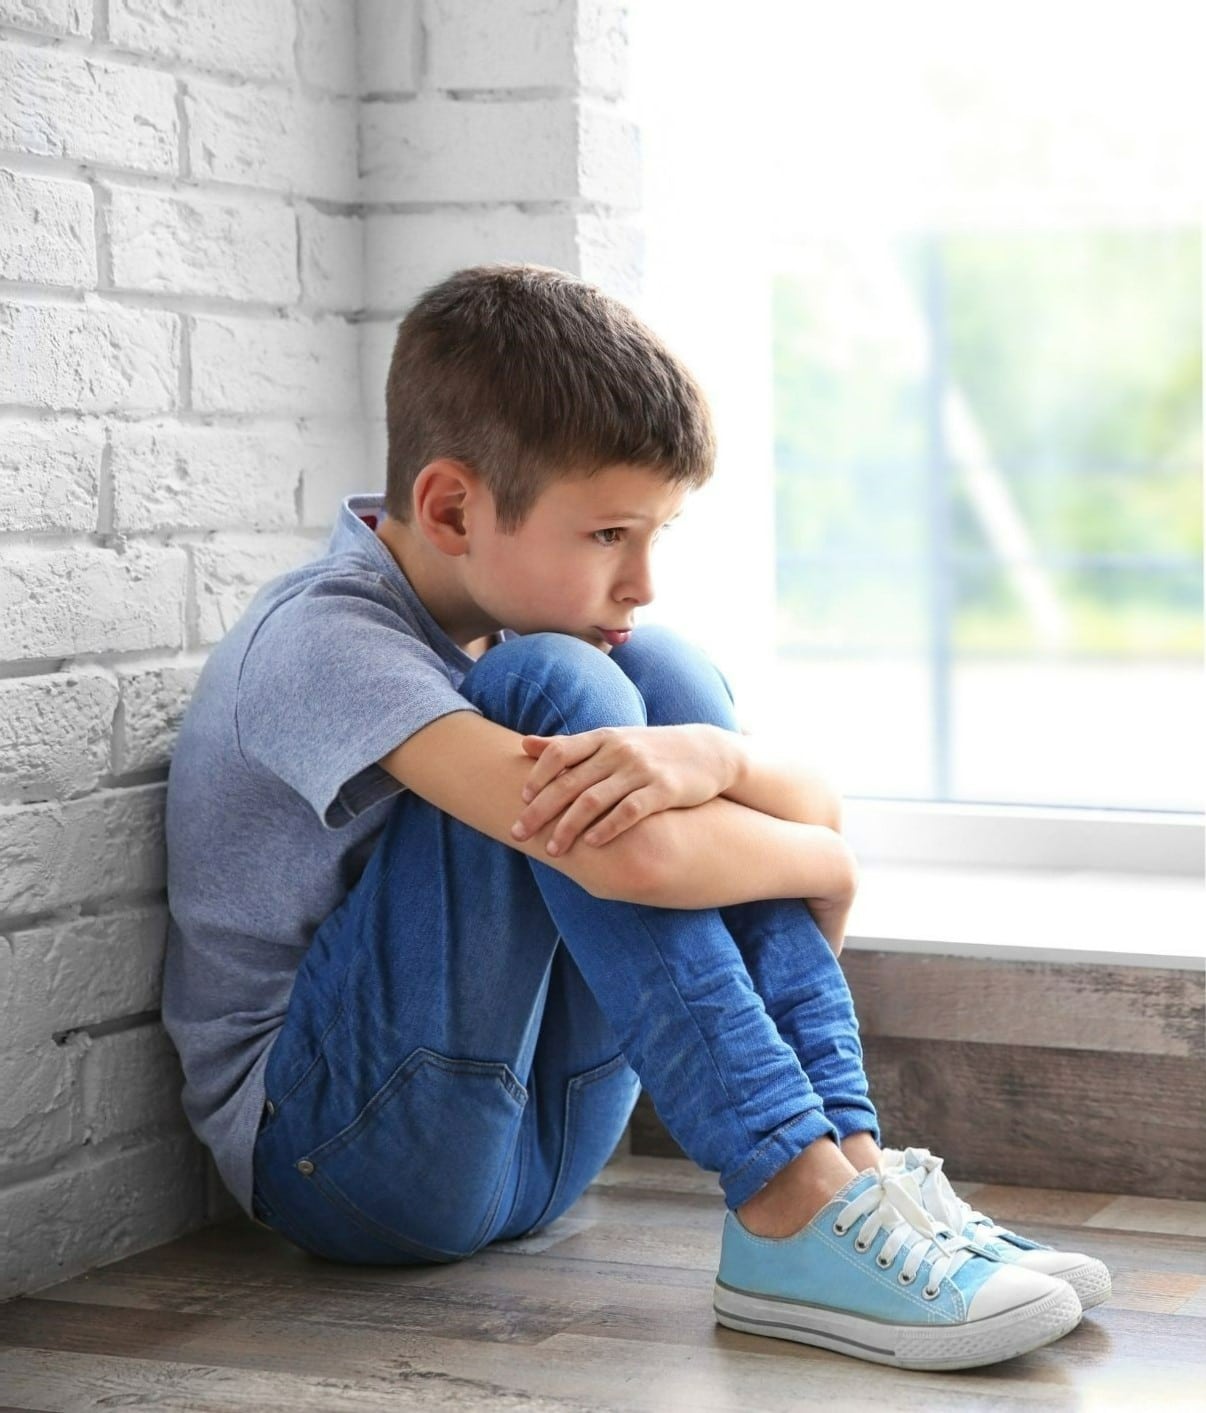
point(620, 530)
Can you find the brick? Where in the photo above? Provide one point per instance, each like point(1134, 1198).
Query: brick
point(609, 157)
point(388, 30)
point(59, 103)
point(404, 254)
point(48, 16)
point(601, 48)
point(106, 844)
point(285, 367)
point(231, 569)
point(376, 437)
point(332, 260)
point(85, 599)
point(64, 976)
point(48, 231)
point(611, 254)
point(49, 475)
point(131, 1080)
point(95, 357)
point(122, 1202)
point(377, 339)
point(304, 146)
point(506, 44)
point(577, 45)
point(153, 701)
point(326, 47)
point(55, 734)
point(190, 244)
point(337, 465)
point(168, 476)
point(253, 41)
point(408, 252)
point(440, 149)
point(40, 1110)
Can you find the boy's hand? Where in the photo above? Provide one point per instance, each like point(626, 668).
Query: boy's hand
point(614, 776)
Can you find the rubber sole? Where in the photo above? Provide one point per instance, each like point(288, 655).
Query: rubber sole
point(963, 1346)
point(1091, 1283)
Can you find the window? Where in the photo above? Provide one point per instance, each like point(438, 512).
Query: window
point(940, 274)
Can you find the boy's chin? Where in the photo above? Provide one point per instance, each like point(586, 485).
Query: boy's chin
point(593, 638)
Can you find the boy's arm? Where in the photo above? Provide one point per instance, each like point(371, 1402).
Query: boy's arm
point(721, 853)
point(474, 769)
point(766, 781)
point(782, 840)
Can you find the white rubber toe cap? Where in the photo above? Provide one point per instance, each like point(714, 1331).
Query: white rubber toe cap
point(1009, 1288)
point(1088, 1277)
point(1051, 1263)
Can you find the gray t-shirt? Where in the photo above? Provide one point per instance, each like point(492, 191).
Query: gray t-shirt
point(275, 801)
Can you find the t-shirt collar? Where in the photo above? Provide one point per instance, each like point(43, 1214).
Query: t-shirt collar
point(353, 532)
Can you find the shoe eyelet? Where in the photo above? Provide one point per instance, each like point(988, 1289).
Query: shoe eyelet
point(881, 1263)
point(905, 1280)
point(840, 1230)
point(861, 1246)
point(928, 1294)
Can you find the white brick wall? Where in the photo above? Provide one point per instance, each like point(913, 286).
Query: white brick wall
point(212, 217)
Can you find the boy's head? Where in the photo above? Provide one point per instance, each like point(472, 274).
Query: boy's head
point(521, 403)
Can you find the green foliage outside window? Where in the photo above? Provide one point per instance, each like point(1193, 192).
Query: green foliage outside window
point(1076, 357)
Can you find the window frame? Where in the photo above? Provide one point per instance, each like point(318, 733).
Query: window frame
point(1026, 837)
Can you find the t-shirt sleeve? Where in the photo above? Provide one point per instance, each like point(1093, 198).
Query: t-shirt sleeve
point(332, 681)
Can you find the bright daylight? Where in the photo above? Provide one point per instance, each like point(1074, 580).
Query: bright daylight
point(947, 286)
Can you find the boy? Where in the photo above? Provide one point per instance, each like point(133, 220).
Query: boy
point(409, 1029)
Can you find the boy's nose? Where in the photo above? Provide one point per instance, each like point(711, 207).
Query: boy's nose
point(638, 590)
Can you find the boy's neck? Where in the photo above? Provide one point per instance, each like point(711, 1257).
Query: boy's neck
point(434, 580)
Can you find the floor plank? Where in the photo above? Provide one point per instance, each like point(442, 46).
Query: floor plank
point(609, 1308)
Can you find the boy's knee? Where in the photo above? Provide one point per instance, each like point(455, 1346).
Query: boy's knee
point(586, 687)
point(678, 679)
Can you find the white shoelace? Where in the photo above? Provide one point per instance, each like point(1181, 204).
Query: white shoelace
point(894, 1202)
point(940, 1198)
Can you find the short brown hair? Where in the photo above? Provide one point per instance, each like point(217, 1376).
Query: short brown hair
point(529, 375)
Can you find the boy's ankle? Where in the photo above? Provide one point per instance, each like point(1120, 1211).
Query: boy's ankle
point(798, 1191)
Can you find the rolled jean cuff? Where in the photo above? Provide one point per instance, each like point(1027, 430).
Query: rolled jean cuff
point(775, 1151)
point(854, 1120)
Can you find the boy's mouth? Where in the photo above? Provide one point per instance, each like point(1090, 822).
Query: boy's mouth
point(616, 637)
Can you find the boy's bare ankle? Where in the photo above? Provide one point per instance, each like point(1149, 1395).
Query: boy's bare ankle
point(797, 1192)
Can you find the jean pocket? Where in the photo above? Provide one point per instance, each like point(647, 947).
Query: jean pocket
point(598, 1104)
point(424, 1163)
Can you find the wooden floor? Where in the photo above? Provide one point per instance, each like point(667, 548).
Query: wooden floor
point(609, 1308)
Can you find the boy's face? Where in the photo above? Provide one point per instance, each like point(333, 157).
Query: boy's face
point(581, 562)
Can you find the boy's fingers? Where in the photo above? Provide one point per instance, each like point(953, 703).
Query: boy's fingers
point(533, 819)
point(582, 814)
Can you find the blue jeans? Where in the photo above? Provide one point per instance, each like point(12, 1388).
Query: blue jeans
point(470, 1029)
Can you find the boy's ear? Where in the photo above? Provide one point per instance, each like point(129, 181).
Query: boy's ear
point(441, 489)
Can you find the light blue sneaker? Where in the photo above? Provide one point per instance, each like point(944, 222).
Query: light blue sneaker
point(849, 1281)
point(1088, 1277)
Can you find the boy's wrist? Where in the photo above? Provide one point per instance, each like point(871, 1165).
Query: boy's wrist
point(737, 752)
point(763, 779)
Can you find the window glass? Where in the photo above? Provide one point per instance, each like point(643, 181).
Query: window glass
point(944, 289)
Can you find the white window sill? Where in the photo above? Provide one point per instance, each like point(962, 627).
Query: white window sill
point(1028, 914)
